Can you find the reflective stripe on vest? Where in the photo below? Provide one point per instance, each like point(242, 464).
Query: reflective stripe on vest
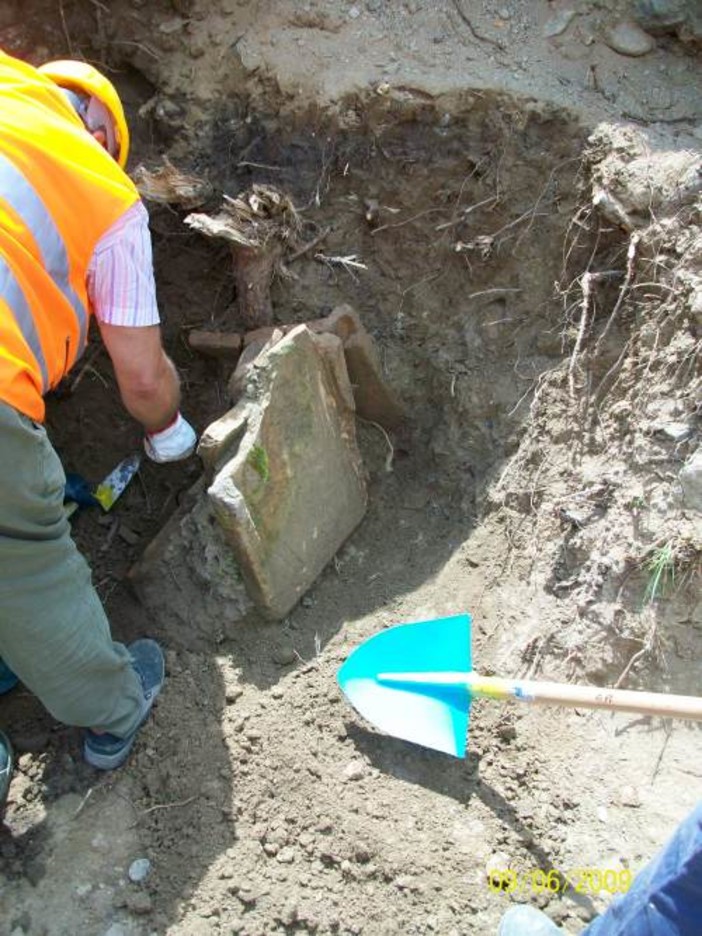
point(23, 199)
point(11, 292)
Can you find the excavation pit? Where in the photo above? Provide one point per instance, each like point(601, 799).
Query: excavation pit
point(533, 483)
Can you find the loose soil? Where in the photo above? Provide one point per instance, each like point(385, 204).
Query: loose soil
point(449, 154)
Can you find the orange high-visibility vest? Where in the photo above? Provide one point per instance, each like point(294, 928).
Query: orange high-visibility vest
point(60, 191)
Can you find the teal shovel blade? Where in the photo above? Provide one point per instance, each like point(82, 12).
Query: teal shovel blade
point(434, 716)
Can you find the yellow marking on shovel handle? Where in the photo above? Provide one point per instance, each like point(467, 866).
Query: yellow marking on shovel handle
point(491, 687)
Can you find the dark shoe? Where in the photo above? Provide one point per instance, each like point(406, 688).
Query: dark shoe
point(6, 765)
point(524, 920)
point(8, 680)
point(107, 751)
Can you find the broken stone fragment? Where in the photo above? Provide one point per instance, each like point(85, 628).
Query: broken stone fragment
point(224, 346)
point(374, 399)
point(288, 483)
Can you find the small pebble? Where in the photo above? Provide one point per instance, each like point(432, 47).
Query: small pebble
point(284, 656)
point(354, 770)
point(628, 796)
point(286, 855)
point(629, 39)
point(139, 870)
point(558, 24)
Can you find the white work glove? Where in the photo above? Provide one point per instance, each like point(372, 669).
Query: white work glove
point(172, 443)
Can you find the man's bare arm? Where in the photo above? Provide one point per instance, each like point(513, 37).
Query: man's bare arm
point(148, 381)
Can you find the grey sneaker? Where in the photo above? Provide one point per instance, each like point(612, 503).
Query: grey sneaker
point(6, 765)
point(524, 920)
point(107, 751)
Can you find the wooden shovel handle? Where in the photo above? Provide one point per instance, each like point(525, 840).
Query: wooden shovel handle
point(617, 700)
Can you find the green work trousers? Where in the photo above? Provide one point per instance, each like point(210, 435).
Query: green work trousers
point(53, 630)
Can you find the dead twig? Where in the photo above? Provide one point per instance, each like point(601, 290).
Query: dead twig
point(87, 365)
point(647, 647)
point(137, 45)
point(600, 391)
point(255, 165)
point(177, 805)
point(391, 453)
point(631, 257)
point(83, 803)
point(315, 242)
point(465, 212)
point(586, 285)
point(495, 289)
point(65, 29)
point(349, 263)
point(397, 224)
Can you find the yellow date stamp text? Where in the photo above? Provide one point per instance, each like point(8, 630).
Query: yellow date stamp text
point(539, 881)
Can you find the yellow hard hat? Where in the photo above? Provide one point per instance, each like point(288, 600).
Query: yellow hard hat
point(81, 77)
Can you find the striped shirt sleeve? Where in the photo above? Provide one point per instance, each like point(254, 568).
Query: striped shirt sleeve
point(120, 279)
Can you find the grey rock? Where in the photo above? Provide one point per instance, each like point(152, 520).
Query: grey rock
point(354, 770)
point(629, 39)
point(284, 655)
point(691, 480)
point(676, 431)
point(659, 17)
point(139, 870)
point(558, 23)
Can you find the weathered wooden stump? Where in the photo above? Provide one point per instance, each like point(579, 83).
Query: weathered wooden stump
point(258, 224)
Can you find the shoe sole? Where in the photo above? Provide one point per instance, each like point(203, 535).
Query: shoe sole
point(109, 761)
point(113, 761)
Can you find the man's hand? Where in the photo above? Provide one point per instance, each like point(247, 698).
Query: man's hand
point(175, 441)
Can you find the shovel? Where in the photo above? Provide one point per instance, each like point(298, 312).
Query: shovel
point(79, 493)
point(416, 682)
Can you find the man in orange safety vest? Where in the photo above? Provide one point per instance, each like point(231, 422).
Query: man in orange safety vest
point(74, 242)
